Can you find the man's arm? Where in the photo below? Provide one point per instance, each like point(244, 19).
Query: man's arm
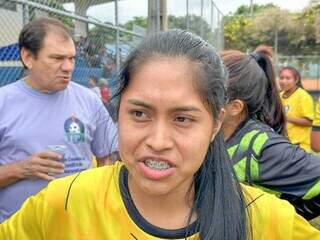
point(9, 173)
point(38, 165)
point(315, 139)
point(301, 121)
point(315, 134)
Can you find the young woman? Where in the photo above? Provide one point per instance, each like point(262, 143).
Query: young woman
point(298, 105)
point(254, 129)
point(175, 180)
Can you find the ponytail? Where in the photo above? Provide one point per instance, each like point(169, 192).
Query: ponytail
point(271, 111)
point(252, 80)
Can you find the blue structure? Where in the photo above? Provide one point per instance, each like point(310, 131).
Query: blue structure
point(10, 52)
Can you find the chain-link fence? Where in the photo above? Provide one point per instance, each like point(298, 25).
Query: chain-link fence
point(309, 68)
point(201, 17)
point(104, 30)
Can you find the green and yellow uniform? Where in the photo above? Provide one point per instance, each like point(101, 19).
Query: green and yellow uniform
point(265, 159)
point(96, 204)
point(299, 104)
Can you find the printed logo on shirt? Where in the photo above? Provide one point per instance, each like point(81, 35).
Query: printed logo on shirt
point(75, 131)
point(286, 108)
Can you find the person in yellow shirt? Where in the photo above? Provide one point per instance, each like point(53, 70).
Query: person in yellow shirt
point(298, 106)
point(175, 180)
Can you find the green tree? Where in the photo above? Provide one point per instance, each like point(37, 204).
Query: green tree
point(311, 17)
point(195, 23)
point(291, 33)
point(140, 21)
point(179, 22)
point(257, 8)
point(236, 32)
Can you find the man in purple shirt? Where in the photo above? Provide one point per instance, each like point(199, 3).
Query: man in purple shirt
point(46, 109)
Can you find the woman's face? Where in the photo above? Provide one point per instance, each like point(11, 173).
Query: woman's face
point(164, 127)
point(287, 80)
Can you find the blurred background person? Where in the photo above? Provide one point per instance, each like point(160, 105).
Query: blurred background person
point(298, 107)
point(105, 92)
point(93, 85)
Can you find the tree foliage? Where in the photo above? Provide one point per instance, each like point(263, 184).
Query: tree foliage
point(179, 22)
point(292, 33)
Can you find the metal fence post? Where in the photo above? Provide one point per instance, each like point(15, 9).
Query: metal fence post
point(201, 21)
point(187, 15)
point(25, 13)
point(117, 34)
point(211, 23)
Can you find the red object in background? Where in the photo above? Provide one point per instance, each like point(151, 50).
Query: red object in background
point(105, 94)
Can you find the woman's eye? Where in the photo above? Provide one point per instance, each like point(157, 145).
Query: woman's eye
point(138, 115)
point(183, 120)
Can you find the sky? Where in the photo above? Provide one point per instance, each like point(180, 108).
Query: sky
point(130, 8)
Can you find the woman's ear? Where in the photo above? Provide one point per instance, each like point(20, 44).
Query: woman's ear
point(235, 107)
point(218, 123)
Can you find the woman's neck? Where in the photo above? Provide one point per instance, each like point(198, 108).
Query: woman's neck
point(231, 126)
point(170, 211)
point(289, 92)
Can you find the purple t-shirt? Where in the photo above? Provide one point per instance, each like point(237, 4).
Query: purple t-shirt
point(31, 121)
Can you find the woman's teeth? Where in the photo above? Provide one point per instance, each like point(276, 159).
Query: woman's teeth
point(156, 165)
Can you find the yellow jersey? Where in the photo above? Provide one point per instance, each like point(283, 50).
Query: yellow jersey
point(299, 104)
point(92, 206)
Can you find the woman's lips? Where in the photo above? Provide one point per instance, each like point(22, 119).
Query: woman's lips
point(156, 168)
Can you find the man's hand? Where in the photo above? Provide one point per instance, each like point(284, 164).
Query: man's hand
point(41, 165)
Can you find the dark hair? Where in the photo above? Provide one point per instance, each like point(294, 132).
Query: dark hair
point(32, 35)
point(252, 80)
point(219, 201)
point(295, 74)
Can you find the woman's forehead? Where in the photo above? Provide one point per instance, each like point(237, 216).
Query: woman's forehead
point(172, 81)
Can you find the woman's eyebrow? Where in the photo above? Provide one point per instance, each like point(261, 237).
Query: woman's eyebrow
point(186, 108)
point(140, 103)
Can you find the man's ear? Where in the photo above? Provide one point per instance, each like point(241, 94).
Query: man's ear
point(27, 58)
point(218, 123)
point(235, 107)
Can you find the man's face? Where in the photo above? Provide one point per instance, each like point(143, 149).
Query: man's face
point(52, 68)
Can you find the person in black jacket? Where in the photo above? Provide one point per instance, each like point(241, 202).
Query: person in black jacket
point(254, 131)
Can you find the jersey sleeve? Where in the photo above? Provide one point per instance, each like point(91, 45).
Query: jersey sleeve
point(287, 168)
point(316, 121)
point(27, 222)
point(306, 106)
point(105, 138)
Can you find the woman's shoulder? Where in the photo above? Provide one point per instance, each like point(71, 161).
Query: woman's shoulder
point(302, 93)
